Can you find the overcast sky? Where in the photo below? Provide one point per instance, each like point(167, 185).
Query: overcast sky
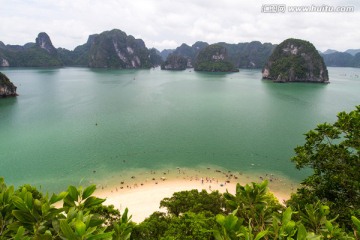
point(167, 24)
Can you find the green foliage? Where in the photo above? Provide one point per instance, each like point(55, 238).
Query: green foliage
point(194, 201)
point(152, 228)
point(123, 227)
point(190, 226)
point(356, 223)
point(32, 57)
point(255, 203)
point(332, 151)
point(213, 58)
point(28, 214)
point(293, 63)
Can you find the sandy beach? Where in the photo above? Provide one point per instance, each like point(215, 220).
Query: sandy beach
point(141, 193)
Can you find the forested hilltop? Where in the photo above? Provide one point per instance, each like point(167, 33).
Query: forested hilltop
point(326, 206)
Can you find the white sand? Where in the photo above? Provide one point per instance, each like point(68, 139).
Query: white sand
point(142, 199)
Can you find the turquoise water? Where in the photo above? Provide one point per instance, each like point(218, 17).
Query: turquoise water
point(69, 122)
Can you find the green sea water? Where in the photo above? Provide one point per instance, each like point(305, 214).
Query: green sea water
point(77, 124)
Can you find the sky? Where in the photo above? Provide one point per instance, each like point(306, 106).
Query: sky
point(166, 24)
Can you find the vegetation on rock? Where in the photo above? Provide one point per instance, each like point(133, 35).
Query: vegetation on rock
point(213, 58)
point(7, 88)
point(295, 60)
point(174, 62)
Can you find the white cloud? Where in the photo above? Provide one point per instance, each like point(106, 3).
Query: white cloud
point(167, 24)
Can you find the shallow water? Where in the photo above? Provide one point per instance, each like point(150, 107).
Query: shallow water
point(76, 124)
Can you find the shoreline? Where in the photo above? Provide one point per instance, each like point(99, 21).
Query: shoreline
point(142, 192)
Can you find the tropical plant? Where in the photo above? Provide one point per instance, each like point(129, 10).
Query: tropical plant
point(255, 203)
point(332, 152)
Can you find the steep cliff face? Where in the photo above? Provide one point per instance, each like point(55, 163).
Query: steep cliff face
point(115, 49)
point(214, 58)
point(43, 41)
point(174, 62)
point(7, 88)
point(295, 60)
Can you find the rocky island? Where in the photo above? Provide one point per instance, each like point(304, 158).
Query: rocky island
point(295, 60)
point(175, 62)
point(214, 58)
point(115, 49)
point(7, 88)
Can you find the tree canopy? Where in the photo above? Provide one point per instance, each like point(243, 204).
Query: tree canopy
point(332, 152)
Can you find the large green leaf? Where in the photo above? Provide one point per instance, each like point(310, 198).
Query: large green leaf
point(23, 217)
point(55, 198)
point(66, 230)
point(20, 233)
point(80, 227)
point(73, 193)
point(356, 222)
point(88, 191)
point(93, 201)
point(28, 199)
point(301, 233)
point(104, 236)
point(19, 203)
point(261, 235)
point(287, 216)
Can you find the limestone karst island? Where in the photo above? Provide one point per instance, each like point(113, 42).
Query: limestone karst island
point(296, 60)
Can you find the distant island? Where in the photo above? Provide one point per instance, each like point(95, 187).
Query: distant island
point(7, 88)
point(116, 49)
point(296, 60)
point(175, 62)
point(214, 58)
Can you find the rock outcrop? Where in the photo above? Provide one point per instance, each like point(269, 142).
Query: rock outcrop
point(214, 58)
point(7, 88)
point(43, 41)
point(295, 60)
point(174, 62)
point(115, 49)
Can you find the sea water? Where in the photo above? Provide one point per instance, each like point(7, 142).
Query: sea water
point(76, 125)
